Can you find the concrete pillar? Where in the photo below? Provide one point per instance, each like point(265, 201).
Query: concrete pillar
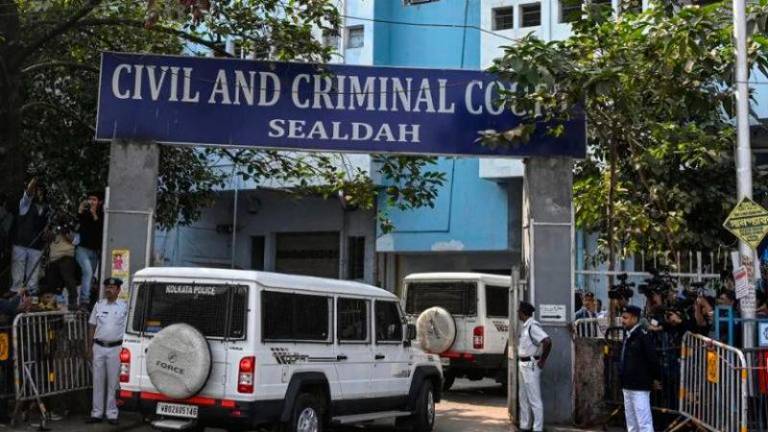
point(547, 256)
point(133, 171)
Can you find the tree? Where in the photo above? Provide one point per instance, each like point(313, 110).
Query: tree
point(49, 59)
point(657, 89)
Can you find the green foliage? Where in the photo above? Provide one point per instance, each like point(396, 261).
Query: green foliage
point(49, 60)
point(657, 91)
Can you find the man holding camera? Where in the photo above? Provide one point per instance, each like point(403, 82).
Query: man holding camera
point(91, 220)
point(27, 238)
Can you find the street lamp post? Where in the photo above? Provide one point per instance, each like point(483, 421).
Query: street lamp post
point(743, 150)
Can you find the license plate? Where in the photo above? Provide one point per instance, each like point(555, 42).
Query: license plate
point(445, 361)
point(176, 410)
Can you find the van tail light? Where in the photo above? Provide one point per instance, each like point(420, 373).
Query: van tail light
point(478, 337)
point(245, 375)
point(125, 365)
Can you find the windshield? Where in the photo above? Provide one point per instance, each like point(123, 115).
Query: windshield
point(458, 298)
point(217, 311)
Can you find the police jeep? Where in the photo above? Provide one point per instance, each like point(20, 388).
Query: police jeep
point(463, 317)
point(243, 349)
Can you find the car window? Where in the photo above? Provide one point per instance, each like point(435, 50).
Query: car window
point(497, 301)
point(297, 317)
point(458, 298)
point(389, 325)
point(352, 324)
point(206, 307)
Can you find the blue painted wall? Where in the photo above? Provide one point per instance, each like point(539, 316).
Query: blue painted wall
point(422, 46)
point(470, 213)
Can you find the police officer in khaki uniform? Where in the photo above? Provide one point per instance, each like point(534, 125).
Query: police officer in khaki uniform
point(107, 324)
point(532, 350)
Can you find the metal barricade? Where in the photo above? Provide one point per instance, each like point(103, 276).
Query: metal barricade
point(757, 363)
point(713, 385)
point(50, 354)
point(593, 328)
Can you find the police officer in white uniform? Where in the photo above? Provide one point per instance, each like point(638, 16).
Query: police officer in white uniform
point(533, 349)
point(107, 324)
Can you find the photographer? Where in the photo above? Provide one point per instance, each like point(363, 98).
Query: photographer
point(62, 270)
point(27, 237)
point(619, 296)
point(91, 220)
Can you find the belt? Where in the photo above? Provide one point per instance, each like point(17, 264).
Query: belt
point(527, 359)
point(105, 344)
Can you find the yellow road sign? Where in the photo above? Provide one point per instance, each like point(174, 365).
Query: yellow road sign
point(748, 221)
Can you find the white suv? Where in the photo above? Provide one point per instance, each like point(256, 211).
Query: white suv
point(242, 349)
point(463, 317)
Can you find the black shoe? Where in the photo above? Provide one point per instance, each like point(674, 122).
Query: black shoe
point(113, 422)
point(94, 420)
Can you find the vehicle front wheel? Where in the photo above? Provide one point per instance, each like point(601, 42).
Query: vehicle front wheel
point(423, 418)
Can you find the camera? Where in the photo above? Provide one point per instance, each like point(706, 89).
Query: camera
point(87, 205)
point(621, 290)
point(64, 226)
point(657, 284)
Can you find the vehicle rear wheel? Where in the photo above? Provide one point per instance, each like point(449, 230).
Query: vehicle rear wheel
point(423, 417)
point(308, 415)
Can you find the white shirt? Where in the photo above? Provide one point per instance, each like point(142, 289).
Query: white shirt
point(531, 336)
point(109, 319)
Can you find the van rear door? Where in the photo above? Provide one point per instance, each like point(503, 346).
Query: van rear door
point(459, 298)
point(218, 311)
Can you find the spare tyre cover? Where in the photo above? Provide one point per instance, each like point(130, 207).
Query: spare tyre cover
point(178, 361)
point(436, 330)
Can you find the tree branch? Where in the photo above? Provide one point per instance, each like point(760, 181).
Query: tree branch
point(56, 31)
point(53, 64)
point(73, 115)
point(218, 49)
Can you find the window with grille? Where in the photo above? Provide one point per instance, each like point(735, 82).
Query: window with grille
point(497, 301)
point(217, 311)
point(295, 317)
point(355, 37)
point(356, 258)
point(503, 18)
point(352, 323)
point(458, 298)
point(530, 15)
point(570, 11)
point(605, 6)
point(331, 39)
point(389, 325)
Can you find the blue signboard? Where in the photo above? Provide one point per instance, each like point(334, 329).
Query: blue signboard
point(298, 106)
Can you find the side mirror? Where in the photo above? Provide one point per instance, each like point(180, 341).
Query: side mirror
point(411, 332)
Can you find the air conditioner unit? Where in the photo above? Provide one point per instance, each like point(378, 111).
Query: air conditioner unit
point(412, 2)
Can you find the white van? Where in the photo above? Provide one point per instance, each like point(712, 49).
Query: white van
point(474, 310)
point(240, 349)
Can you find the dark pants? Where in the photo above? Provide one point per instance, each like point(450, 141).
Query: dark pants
point(63, 273)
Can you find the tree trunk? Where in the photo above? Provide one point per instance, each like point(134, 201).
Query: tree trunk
point(12, 159)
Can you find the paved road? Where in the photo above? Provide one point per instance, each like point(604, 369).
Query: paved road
point(468, 407)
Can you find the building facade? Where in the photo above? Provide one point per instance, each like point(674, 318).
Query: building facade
point(475, 224)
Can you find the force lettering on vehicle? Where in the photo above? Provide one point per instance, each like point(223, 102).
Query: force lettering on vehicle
point(190, 290)
point(170, 367)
